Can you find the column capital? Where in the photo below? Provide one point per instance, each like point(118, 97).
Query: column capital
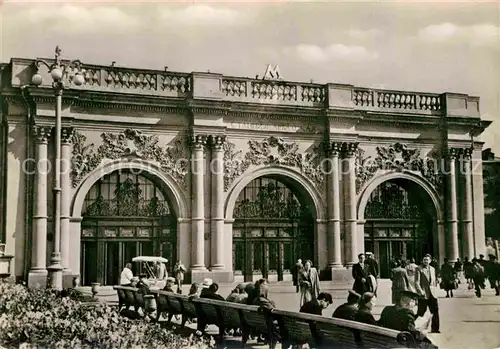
point(466, 153)
point(198, 142)
point(67, 135)
point(452, 153)
point(349, 148)
point(334, 149)
point(42, 133)
point(217, 142)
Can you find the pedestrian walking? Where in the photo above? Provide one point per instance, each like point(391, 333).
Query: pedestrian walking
point(400, 281)
point(427, 287)
point(179, 271)
point(448, 278)
point(478, 277)
point(459, 270)
point(492, 271)
point(309, 283)
point(360, 275)
point(296, 270)
point(411, 271)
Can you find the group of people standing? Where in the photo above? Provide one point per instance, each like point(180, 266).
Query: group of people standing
point(160, 272)
point(306, 280)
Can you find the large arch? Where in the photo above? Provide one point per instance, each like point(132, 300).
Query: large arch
point(437, 210)
point(83, 244)
point(242, 241)
point(172, 189)
point(300, 183)
point(423, 183)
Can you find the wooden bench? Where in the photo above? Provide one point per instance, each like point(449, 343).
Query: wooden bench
point(290, 328)
point(126, 297)
point(227, 315)
point(174, 304)
point(323, 332)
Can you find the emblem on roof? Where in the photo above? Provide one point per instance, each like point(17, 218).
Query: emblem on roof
point(272, 73)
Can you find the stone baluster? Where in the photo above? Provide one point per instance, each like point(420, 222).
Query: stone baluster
point(217, 169)
point(38, 272)
point(349, 150)
point(467, 201)
point(198, 197)
point(452, 222)
point(66, 150)
point(333, 197)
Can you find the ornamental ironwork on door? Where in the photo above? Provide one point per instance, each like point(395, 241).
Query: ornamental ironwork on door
point(125, 215)
point(400, 222)
point(273, 227)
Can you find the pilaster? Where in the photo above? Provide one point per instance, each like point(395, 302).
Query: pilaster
point(333, 198)
point(351, 240)
point(198, 143)
point(451, 211)
point(467, 217)
point(217, 222)
point(37, 276)
point(66, 150)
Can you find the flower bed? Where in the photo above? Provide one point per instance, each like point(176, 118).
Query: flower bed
point(44, 319)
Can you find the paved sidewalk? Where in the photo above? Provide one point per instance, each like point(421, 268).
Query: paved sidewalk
point(466, 321)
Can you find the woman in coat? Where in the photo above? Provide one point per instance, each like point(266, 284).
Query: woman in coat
point(309, 283)
point(400, 281)
point(448, 278)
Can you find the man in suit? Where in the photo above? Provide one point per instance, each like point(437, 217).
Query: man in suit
point(426, 283)
point(360, 273)
point(400, 317)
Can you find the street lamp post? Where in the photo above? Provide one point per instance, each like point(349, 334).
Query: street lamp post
point(57, 72)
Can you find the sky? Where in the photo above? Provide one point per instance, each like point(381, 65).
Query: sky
point(415, 46)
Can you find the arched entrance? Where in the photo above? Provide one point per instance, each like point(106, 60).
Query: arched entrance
point(273, 227)
point(400, 221)
point(125, 214)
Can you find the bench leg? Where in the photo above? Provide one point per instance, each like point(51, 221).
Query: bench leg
point(169, 319)
point(184, 320)
point(244, 336)
point(222, 332)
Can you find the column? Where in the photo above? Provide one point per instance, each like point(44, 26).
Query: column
point(452, 222)
point(217, 170)
point(333, 197)
point(38, 271)
point(349, 150)
point(66, 149)
point(468, 201)
point(198, 197)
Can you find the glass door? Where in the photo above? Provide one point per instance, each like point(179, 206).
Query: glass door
point(112, 263)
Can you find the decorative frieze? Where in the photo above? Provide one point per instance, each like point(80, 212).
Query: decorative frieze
point(272, 151)
point(398, 157)
point(130, 143)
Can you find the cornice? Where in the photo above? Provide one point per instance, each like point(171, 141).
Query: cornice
point(261, 135)
point(93, 126)
point(130, 106)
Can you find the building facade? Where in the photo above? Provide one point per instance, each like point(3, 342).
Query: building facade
point(236, 177)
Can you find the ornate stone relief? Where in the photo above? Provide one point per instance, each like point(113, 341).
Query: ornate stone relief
point(130, 143)
point(398, 157)
point(271, 151)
